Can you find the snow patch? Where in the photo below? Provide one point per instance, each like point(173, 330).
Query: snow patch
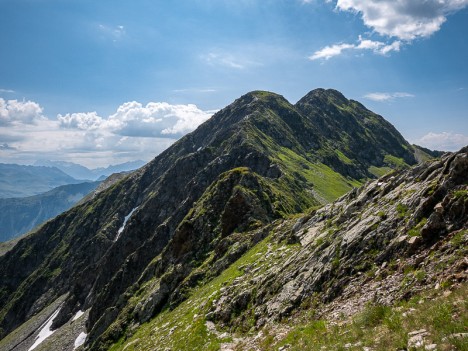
point(77, 315)
point(45, 331)
point(127, 217)
point(80, 340)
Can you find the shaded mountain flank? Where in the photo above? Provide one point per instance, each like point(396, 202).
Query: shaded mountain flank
point(201, 238)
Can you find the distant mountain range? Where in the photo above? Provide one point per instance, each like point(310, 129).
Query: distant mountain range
point(20, 215)
point(21, 181)
point(83, 173)
point(31, 195)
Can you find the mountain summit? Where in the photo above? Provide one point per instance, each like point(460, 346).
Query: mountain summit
point(142, 245)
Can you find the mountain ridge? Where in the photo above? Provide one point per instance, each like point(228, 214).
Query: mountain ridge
point(189, 214)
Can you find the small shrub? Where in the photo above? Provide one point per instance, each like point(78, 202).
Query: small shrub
point(457, 239)
point(459, 194)
point(416, 230)
point(372, 315)
point(419, 275)
point(402, 210)
point(382, 215)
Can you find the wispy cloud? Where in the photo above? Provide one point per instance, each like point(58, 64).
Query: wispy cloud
point(245, 56)
point(387, 96)
point(312, 1)
point(8, 91)
point(222, 59)
point(114, 33)
point(377, 47)
point(330, 51)
point(194, 90)
point(445, 141)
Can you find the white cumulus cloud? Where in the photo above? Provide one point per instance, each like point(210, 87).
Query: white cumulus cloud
point(133, 119)
point(83, 121)
point(155, 119)
point(403, 19)
point(445, 141)
point(19, 112)
point(134, 131)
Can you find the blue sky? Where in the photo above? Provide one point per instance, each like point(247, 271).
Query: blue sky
point(102, 82)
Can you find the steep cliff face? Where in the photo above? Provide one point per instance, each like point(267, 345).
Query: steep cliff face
point(147, 241)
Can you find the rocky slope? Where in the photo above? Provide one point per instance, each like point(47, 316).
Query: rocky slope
point(145, 243)
point(400, 238)
point(20, 215)
point(368, 233)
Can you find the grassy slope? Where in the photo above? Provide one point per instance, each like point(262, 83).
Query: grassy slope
point(327, 185)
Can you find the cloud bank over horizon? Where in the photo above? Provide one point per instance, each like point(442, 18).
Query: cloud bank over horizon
point(445, 141)
point(134, 131)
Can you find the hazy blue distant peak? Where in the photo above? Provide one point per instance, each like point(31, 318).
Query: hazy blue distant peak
point(78, 171)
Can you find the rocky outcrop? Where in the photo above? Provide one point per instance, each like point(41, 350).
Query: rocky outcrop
point(374, 231)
